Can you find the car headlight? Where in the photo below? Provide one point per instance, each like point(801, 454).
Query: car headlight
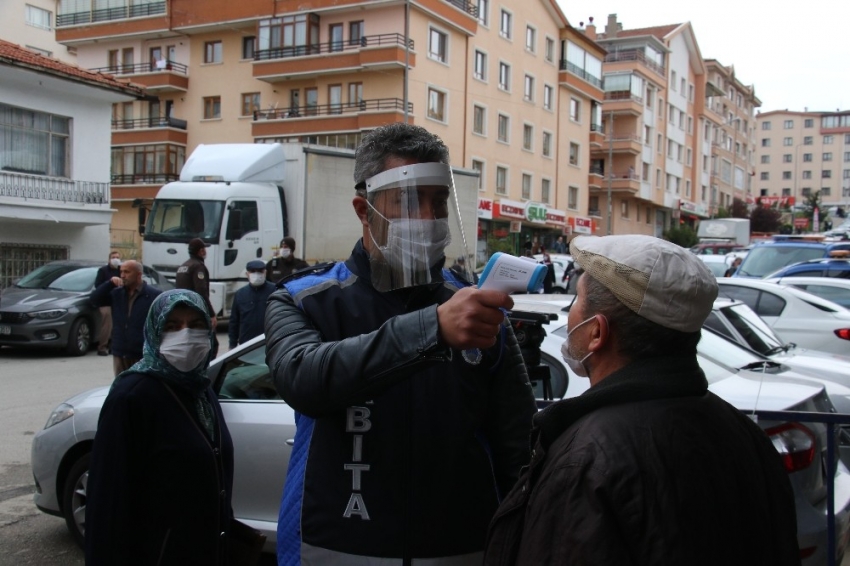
point(62, 412)
point(47, 315)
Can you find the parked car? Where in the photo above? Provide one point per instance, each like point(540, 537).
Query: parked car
point(716, 248)
point(829, 288)
point(794, 315)
point(718, 264)
point(562, 263)
point(768, 257)
point(833, 267)
point(50, 308)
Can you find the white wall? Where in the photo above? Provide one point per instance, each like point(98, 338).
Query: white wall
point(13, 28)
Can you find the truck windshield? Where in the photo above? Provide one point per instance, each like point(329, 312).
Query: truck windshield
point(763, 260)
point(182, 220)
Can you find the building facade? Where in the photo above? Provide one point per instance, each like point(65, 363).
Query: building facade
point(31, 24)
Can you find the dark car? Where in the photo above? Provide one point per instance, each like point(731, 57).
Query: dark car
point(768, 257)
point(821, 267)
point(50, 308)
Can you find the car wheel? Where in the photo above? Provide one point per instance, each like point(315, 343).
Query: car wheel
point(79, 339)
point(74, 498)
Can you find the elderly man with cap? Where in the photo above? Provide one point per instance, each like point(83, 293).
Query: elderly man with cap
point(647, 466)
point(284, 263)
point(249, 305)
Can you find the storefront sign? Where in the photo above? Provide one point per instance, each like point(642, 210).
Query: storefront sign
point(511, 209)
point(695, 209)
point(529, 211)
point(801, 223)
point(516, 226)
point(581, 225)
point(783, 202)
point(535, 213)
point(485, 208)
point(556, 217)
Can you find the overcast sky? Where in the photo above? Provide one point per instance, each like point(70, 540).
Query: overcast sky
point(796, 54)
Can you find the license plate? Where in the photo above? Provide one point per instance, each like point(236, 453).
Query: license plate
point(5, 330)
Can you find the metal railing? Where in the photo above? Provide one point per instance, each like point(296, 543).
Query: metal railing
point(581, 73)
point(139, 68)
point(144, 178)
point(151, 122)
point(597, 128)
point(596, 170)
point(331, 46)
point(16, 260)
point(128, 10)
point(374, 104)
point(52, 189)
point(623, 95)
point(468, 7)
point(635, 55)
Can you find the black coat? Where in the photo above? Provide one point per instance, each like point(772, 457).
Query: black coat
point(194, 276)
point(128, 328)
point(105, 273)
point(159, 489)
point(648, 468)
point(248, 313)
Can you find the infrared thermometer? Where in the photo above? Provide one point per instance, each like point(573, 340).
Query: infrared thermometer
point(511, 274)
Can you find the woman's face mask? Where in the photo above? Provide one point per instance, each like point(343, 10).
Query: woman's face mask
point(186, 349)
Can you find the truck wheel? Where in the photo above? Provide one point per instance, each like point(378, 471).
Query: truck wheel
point(79, 339)
point(74, 498)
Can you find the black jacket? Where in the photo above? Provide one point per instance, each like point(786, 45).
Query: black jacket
point(195, 276)
point(648, 468)
point(105, 273)
point(277, 267)
point(248, 313)
point(128, 325)
point(402, 448)
point(159, 489)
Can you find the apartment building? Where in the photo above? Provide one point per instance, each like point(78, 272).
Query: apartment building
point(30, 24)
point(800, 153)
point(493, 79)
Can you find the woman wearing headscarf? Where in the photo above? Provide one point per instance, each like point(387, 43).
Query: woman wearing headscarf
point(161, 472)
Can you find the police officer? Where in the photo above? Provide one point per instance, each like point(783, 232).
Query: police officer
point(249, 305)
point(284, 262)
point(195, 276)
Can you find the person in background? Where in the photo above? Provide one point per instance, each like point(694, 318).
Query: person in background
point(647, 466)
point(104, 274)
point(161, 474)
point(413, 405)
point(736, 263)
point(194, 276)
point(549, 280)
point(284, 263)
point(249, 305)
point(129, 299)
point(560, 247)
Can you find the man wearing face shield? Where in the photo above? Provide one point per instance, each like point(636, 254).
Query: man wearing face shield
point(403, 447)
point(647, 466)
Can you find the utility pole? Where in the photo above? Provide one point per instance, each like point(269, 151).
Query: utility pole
point(610, 166)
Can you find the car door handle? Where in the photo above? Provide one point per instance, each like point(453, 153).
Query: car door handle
point(290, 441)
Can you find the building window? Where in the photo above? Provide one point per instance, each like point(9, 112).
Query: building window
point(38, 17)
point(550, 50)
point(690, 157)
point(807, 157)
point(673, 80)
point(788, 124)
point(528, 93)
point(547, 97)
point(527, 137)
point(765, 142)
point(212, 107)
point(825, 191)
point(807, 174)
point(572, 198)
point(504, 76)
point(786, 158)
point(34, 142)
point(312, 96)
point(501, 180)
point(504, 128)
point(335, 99)
point(827, 140)
point(545, 184)
point(212, 52)
point(288, 36)
point(248, 47)
point(593, 206)
point(484, 12)
point(547, 144)
point(574, 148)
point(478, 165)
point(785, 192)
point(765, 159)
point(505, 24)
point(826, 174)
point(787, 141)
point(765, 125)
point(355, 95)
point(436, 105)
point(438, 45)
point(765, 176)
point(807, 140)
point(147, 163)
point(786, 175)
point(807, 191)
point(355, 32)
point(575, 110)
point(479, 119)
point(335, 42)
point(530, 39)
point(847, 157)
point(827, 156)
point(809, 123)
point(250, 103)
point(526, 186)
point(480, 71)
point(624, 208)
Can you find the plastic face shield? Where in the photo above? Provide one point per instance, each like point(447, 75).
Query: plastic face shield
point(409, 217)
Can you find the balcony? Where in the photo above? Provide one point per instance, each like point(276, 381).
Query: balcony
point(636, 55)
point(129, 10)
point(372, 52)
point(579, 80)
point(349, 116)
point(52, 189)
point(621, 182)
point(595, 178)
point(623, 102)
point(621, 143)
point(157, 77)
point(597, 135)
point(149, 131)
point(139, 21)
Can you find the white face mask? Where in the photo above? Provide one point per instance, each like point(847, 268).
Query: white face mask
point(285, 253)
point(576, 365)
point(257, 279)
point(115, 262)
point(414, 244)
point(186, 349)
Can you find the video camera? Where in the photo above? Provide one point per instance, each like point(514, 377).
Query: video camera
point(529, 332)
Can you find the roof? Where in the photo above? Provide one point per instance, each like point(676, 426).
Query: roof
point(658, 31)
point(17, 56)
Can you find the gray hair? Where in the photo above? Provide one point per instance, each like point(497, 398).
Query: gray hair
point(396, 140)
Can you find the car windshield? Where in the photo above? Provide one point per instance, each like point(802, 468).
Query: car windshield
point(763, 260)
point(755, 331)
point(722, 351)
point(182, 220)
point(60, 277)
point(718, 268)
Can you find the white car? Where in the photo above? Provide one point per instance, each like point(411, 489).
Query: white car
point(830, 288)
point(795, 315)
point(718, 264)
point(561, 263)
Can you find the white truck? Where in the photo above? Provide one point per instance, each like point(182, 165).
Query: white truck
point(732, 230)
point(242, 199)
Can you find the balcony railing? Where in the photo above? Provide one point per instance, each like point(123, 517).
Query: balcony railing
point(52, 189)
point(331, 46)
point(623, 95)
point(581, 73)
point(597, 128)
point(154, 122)
point(468, 7)
point(635, 55)
point(138, 68)
point(129, 10)
point(596, 170)
point(333, 109)
point(144, 179)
